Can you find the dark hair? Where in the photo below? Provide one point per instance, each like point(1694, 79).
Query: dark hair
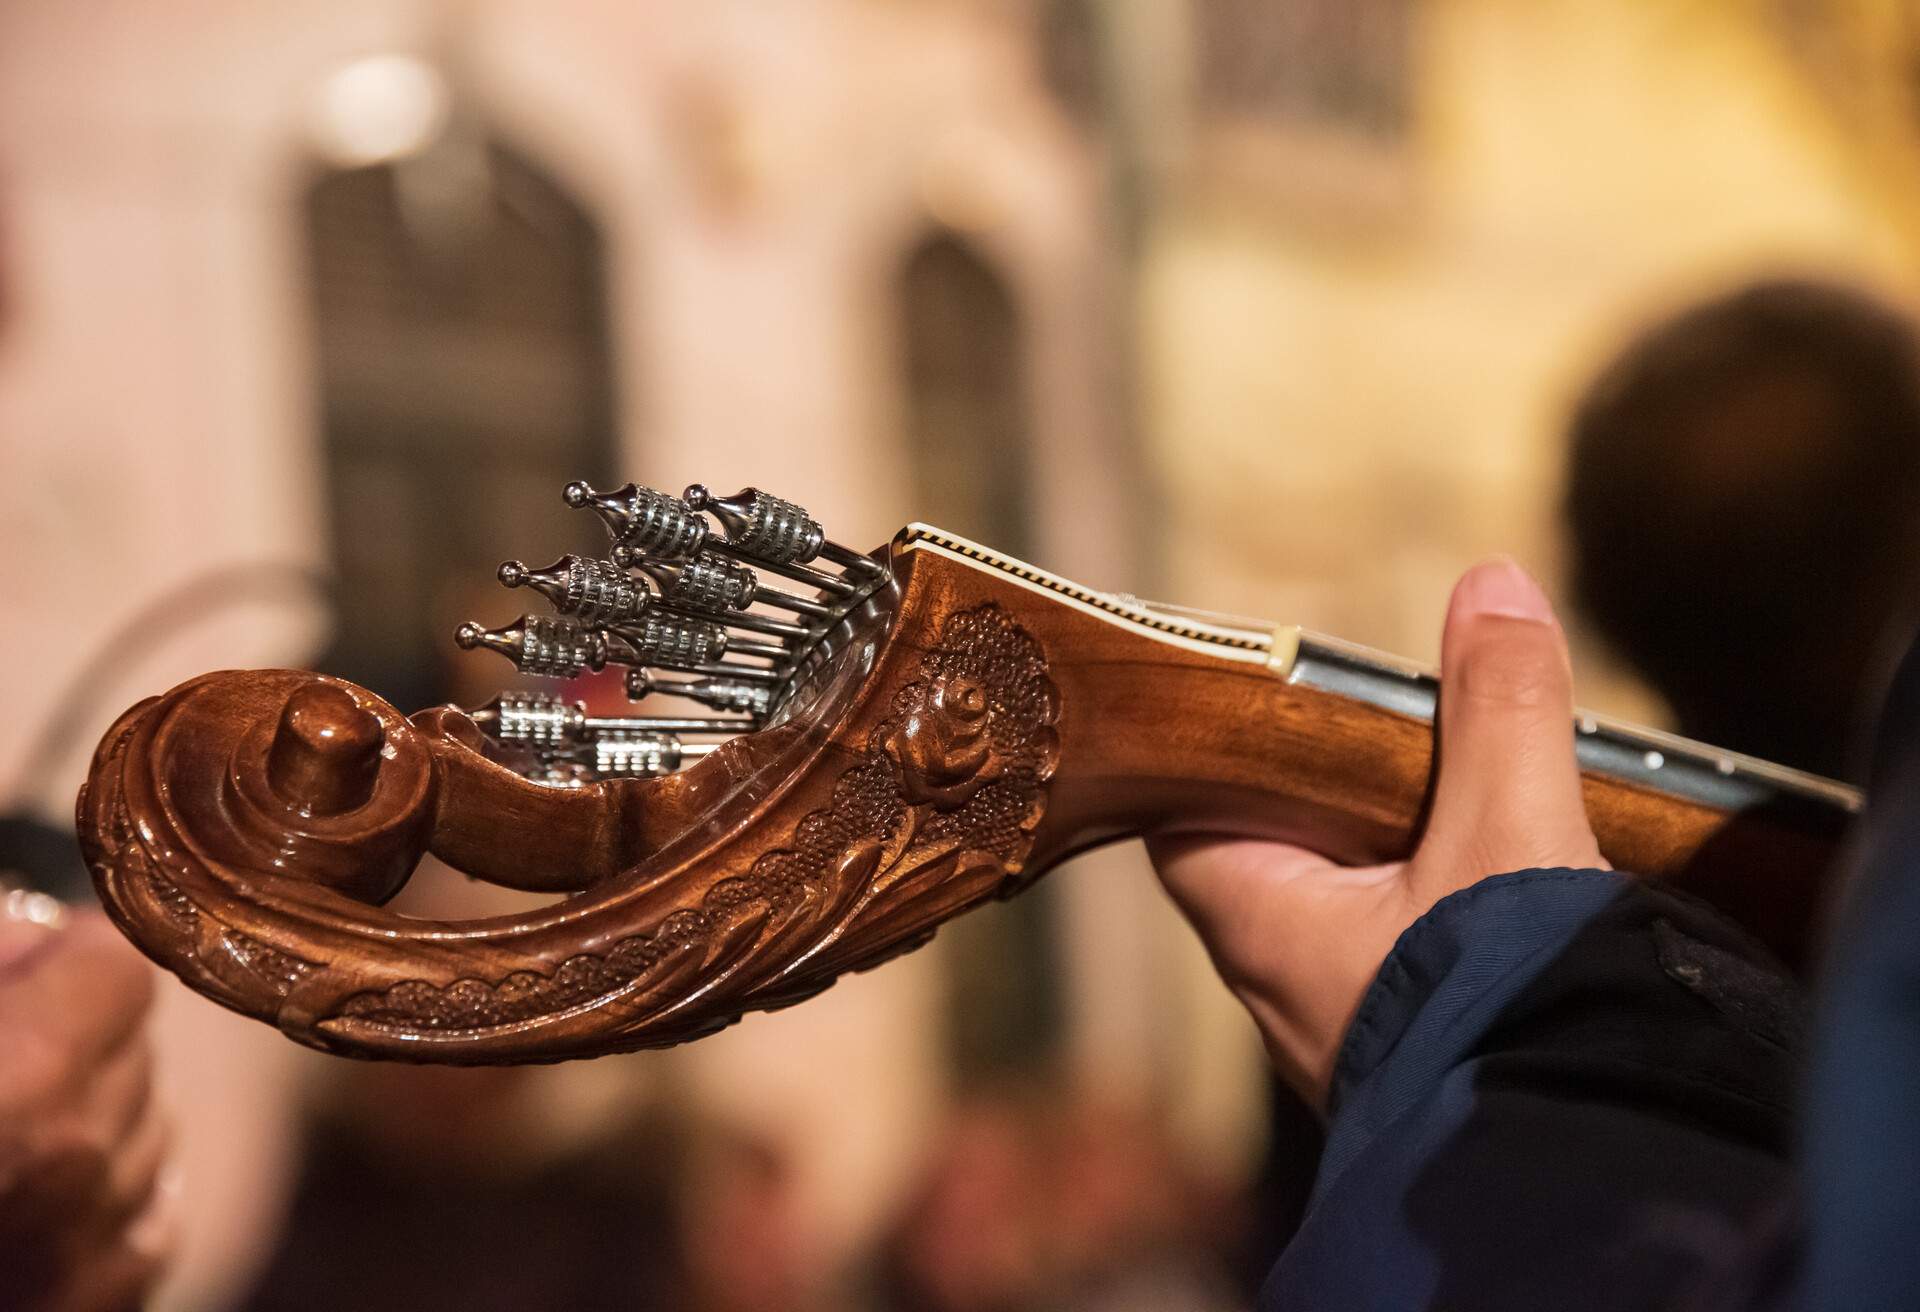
point(1742, 497)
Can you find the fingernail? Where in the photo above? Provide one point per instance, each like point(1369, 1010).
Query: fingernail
point(1500, 587)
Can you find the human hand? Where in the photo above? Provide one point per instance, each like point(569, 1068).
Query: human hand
point(84, 1223)
point(1299, 938)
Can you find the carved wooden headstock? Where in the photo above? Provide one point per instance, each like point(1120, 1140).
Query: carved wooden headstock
point(899, 737)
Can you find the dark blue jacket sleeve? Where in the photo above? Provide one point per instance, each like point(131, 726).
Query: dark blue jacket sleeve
point(1861, 1159)
point(1562, 1087)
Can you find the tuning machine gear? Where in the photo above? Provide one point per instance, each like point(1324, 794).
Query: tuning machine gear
point(721, 694)
point(539, 644)
point(572, 747)
point(684, 589)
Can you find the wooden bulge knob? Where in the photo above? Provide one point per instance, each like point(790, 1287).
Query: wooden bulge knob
point(325, 756)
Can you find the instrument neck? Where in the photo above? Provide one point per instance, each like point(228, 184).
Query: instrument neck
point(1650, 758)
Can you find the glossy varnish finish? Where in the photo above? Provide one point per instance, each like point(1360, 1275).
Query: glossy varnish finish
point(245, 827)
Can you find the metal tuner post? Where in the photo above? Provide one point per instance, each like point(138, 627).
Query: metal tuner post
point(696, 597)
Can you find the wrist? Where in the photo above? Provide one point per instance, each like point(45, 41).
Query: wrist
point(1317, 969)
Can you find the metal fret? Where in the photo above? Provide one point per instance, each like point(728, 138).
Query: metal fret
point(1649, 758)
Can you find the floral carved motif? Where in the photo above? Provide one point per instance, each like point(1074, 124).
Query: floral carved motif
point(935, 815)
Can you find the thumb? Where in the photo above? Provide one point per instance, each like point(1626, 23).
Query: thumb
point(1508, 793)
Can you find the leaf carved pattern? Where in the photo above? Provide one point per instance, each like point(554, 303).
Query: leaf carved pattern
point(937, 814)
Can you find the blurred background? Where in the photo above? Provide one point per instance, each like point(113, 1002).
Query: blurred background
point(1284, 307)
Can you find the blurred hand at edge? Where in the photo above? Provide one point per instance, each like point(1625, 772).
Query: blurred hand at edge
point(85, 1222)
point(1299, 938)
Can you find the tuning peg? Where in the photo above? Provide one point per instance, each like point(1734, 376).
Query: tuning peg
point(736, 516)
point(596, 592)
point(706, 585)
point(572, 748)
point(720, 694)
point(644, 519)
point(710, 582)
point(766, 528)
point(787, 633)
point(628, 755)
point(704, 582)
point(721, 725)
point(761, 525)
point(657, 639)
point(539, 719)
point(539, 644)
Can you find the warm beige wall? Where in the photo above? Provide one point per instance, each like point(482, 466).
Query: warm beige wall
point(1346, 415)
point(156, 409)
point(1342, 419)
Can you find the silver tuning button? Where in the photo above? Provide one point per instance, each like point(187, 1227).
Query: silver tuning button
point(720, 694)
point(595, 592)
point(705, 581)
point(775, 532)
point(641, 518)
point(539, 644)
point(539, 720)
point(762, 526)
point(712, 583)
point(656, 639)
point(635, 754)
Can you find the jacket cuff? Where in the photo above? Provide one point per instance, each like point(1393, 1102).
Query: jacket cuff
point(1450, 976)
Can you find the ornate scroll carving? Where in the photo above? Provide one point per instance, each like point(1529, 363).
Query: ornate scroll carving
point(932, 809)
point(936, 814)
point(133, 873)
point(919, 771)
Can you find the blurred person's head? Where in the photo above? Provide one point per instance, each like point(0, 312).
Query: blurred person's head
point(1039, 1199)
point(1742, 502)
point(969, 1240)
point(745, 1240)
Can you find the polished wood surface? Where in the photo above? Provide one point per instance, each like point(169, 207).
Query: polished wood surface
point(245, 827)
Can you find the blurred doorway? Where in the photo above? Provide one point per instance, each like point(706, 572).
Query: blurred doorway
point(460, 322)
